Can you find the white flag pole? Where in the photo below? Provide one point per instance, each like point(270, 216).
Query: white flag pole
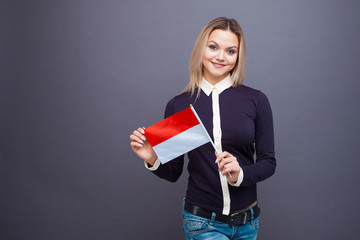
point(198, 118)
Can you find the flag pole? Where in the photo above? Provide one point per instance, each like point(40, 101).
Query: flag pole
point(198, 118)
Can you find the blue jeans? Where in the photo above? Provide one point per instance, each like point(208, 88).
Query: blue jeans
point(202, 228)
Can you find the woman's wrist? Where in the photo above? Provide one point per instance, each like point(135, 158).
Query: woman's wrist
point(152, 161)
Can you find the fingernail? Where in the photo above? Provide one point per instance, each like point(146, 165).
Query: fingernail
point(142, 142)
point(217, 160)
point(140, 145)
point(143, 138)
point(142, 131)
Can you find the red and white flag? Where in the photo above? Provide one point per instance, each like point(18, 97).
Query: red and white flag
point(177, 135)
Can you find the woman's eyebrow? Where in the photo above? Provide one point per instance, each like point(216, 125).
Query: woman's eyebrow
point(212, 41)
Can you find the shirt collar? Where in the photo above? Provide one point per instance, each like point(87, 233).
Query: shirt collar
point(220, 86)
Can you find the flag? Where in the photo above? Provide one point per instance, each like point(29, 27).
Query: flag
point(177, 135)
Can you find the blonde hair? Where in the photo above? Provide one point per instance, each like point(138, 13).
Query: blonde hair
point(196, 67)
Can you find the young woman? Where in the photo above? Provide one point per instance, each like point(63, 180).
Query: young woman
point(221, 199)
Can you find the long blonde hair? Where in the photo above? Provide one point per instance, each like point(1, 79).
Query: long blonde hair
point(196, 67)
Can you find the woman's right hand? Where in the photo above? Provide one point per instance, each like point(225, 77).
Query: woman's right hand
point(141, 146)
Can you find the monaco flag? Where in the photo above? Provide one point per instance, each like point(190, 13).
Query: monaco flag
point(177, 135)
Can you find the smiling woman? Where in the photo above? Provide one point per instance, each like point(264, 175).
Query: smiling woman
point(221, 199)
point(220, 55)
point(230, 28)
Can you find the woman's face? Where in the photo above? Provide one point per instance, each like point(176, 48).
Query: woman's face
point(220, 55)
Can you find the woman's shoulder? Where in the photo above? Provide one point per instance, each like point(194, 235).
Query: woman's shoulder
point(180, 99)
point(179, 103)
point(249, 91)
point(257, 97)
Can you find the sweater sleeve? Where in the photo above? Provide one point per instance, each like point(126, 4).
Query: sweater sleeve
point(173, 169)
point(265, 163)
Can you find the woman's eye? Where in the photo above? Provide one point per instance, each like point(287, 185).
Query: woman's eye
point(231, 52)
point(212, 47)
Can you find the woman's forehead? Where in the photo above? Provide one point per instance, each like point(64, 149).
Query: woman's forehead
point(224, 37)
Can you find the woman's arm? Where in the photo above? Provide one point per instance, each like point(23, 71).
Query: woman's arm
point(171, 170)
point(265, 164)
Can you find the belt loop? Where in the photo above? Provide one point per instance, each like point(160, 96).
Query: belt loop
point(213, 215)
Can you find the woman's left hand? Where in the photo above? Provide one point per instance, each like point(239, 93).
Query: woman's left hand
point(227, 163)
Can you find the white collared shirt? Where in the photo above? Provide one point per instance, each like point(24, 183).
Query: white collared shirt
point(216, 90)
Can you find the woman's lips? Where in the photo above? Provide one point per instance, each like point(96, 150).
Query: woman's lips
point(218, 65)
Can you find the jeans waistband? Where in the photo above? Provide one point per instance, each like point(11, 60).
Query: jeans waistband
point(239, 218)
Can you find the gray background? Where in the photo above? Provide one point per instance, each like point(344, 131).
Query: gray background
point(78, 76)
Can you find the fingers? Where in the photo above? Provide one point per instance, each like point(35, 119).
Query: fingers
point(138, 138)
point(231, 167)
point(223, 158)
point(227, 163)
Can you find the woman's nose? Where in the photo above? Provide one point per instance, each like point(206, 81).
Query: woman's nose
point(220, 55)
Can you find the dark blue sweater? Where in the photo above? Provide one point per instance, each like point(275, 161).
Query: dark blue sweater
point(247, 133)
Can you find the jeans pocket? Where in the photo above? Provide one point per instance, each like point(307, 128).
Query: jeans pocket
point(194, 224)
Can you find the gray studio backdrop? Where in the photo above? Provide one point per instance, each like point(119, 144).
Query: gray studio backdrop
point(78, 76)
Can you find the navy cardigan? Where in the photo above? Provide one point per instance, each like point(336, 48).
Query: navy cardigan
point(247, 133)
